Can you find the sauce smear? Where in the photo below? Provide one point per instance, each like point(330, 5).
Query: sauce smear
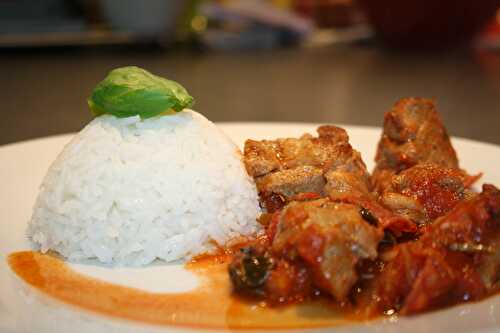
point(210, 305)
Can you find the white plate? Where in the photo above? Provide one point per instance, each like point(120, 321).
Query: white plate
point(23, 165)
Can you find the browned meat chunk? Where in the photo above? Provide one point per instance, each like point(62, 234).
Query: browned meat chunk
point(262, 157)
point(347, 187)
point(422, 278)
point(456, 260)
point(417, 174)
point(411, 239)
point(380, 215)
point(284, 168)
point(340, 183)
point(413, 133)
point(291, 182)
point(425, 191)
point(325, 238)
point(330, 238)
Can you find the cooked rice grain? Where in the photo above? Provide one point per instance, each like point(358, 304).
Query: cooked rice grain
point(128, 191)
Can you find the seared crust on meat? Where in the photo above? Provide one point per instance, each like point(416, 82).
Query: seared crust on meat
point(416, 173)
point(424, 192)
point(330, 238)
point(301, 179)
point(263, 157)
point(413, 134)
point(287, 167)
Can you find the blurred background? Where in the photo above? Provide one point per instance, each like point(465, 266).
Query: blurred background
point(322, 61)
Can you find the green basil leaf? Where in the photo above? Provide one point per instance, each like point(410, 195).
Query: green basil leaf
point(133, 91)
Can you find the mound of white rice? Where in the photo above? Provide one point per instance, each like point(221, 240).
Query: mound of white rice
point(127, 191)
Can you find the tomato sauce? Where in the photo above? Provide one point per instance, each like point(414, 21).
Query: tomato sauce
point(210, 305)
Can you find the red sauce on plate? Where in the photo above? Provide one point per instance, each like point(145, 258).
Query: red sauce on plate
point(210, 305)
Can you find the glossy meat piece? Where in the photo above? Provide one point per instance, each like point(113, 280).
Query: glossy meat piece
point(340, 183)
point(425, 191)
point(385, 218)
point(328, 239)
point(291, 182)
point(446, 265)
point(285, 168)
point(413, 133)
point(422, 278)
point(346, 187)
point(308, 168)
point(263, 157)
point(470, 222)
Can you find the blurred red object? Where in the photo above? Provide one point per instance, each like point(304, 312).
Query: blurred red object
point(428, 23)
point(329, 13)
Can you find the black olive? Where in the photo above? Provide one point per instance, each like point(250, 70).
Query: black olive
point(256, 270)
point(389, 239)
point(250, 272)
point(368, 216)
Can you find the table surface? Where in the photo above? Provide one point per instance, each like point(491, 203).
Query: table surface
point(43, 92)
